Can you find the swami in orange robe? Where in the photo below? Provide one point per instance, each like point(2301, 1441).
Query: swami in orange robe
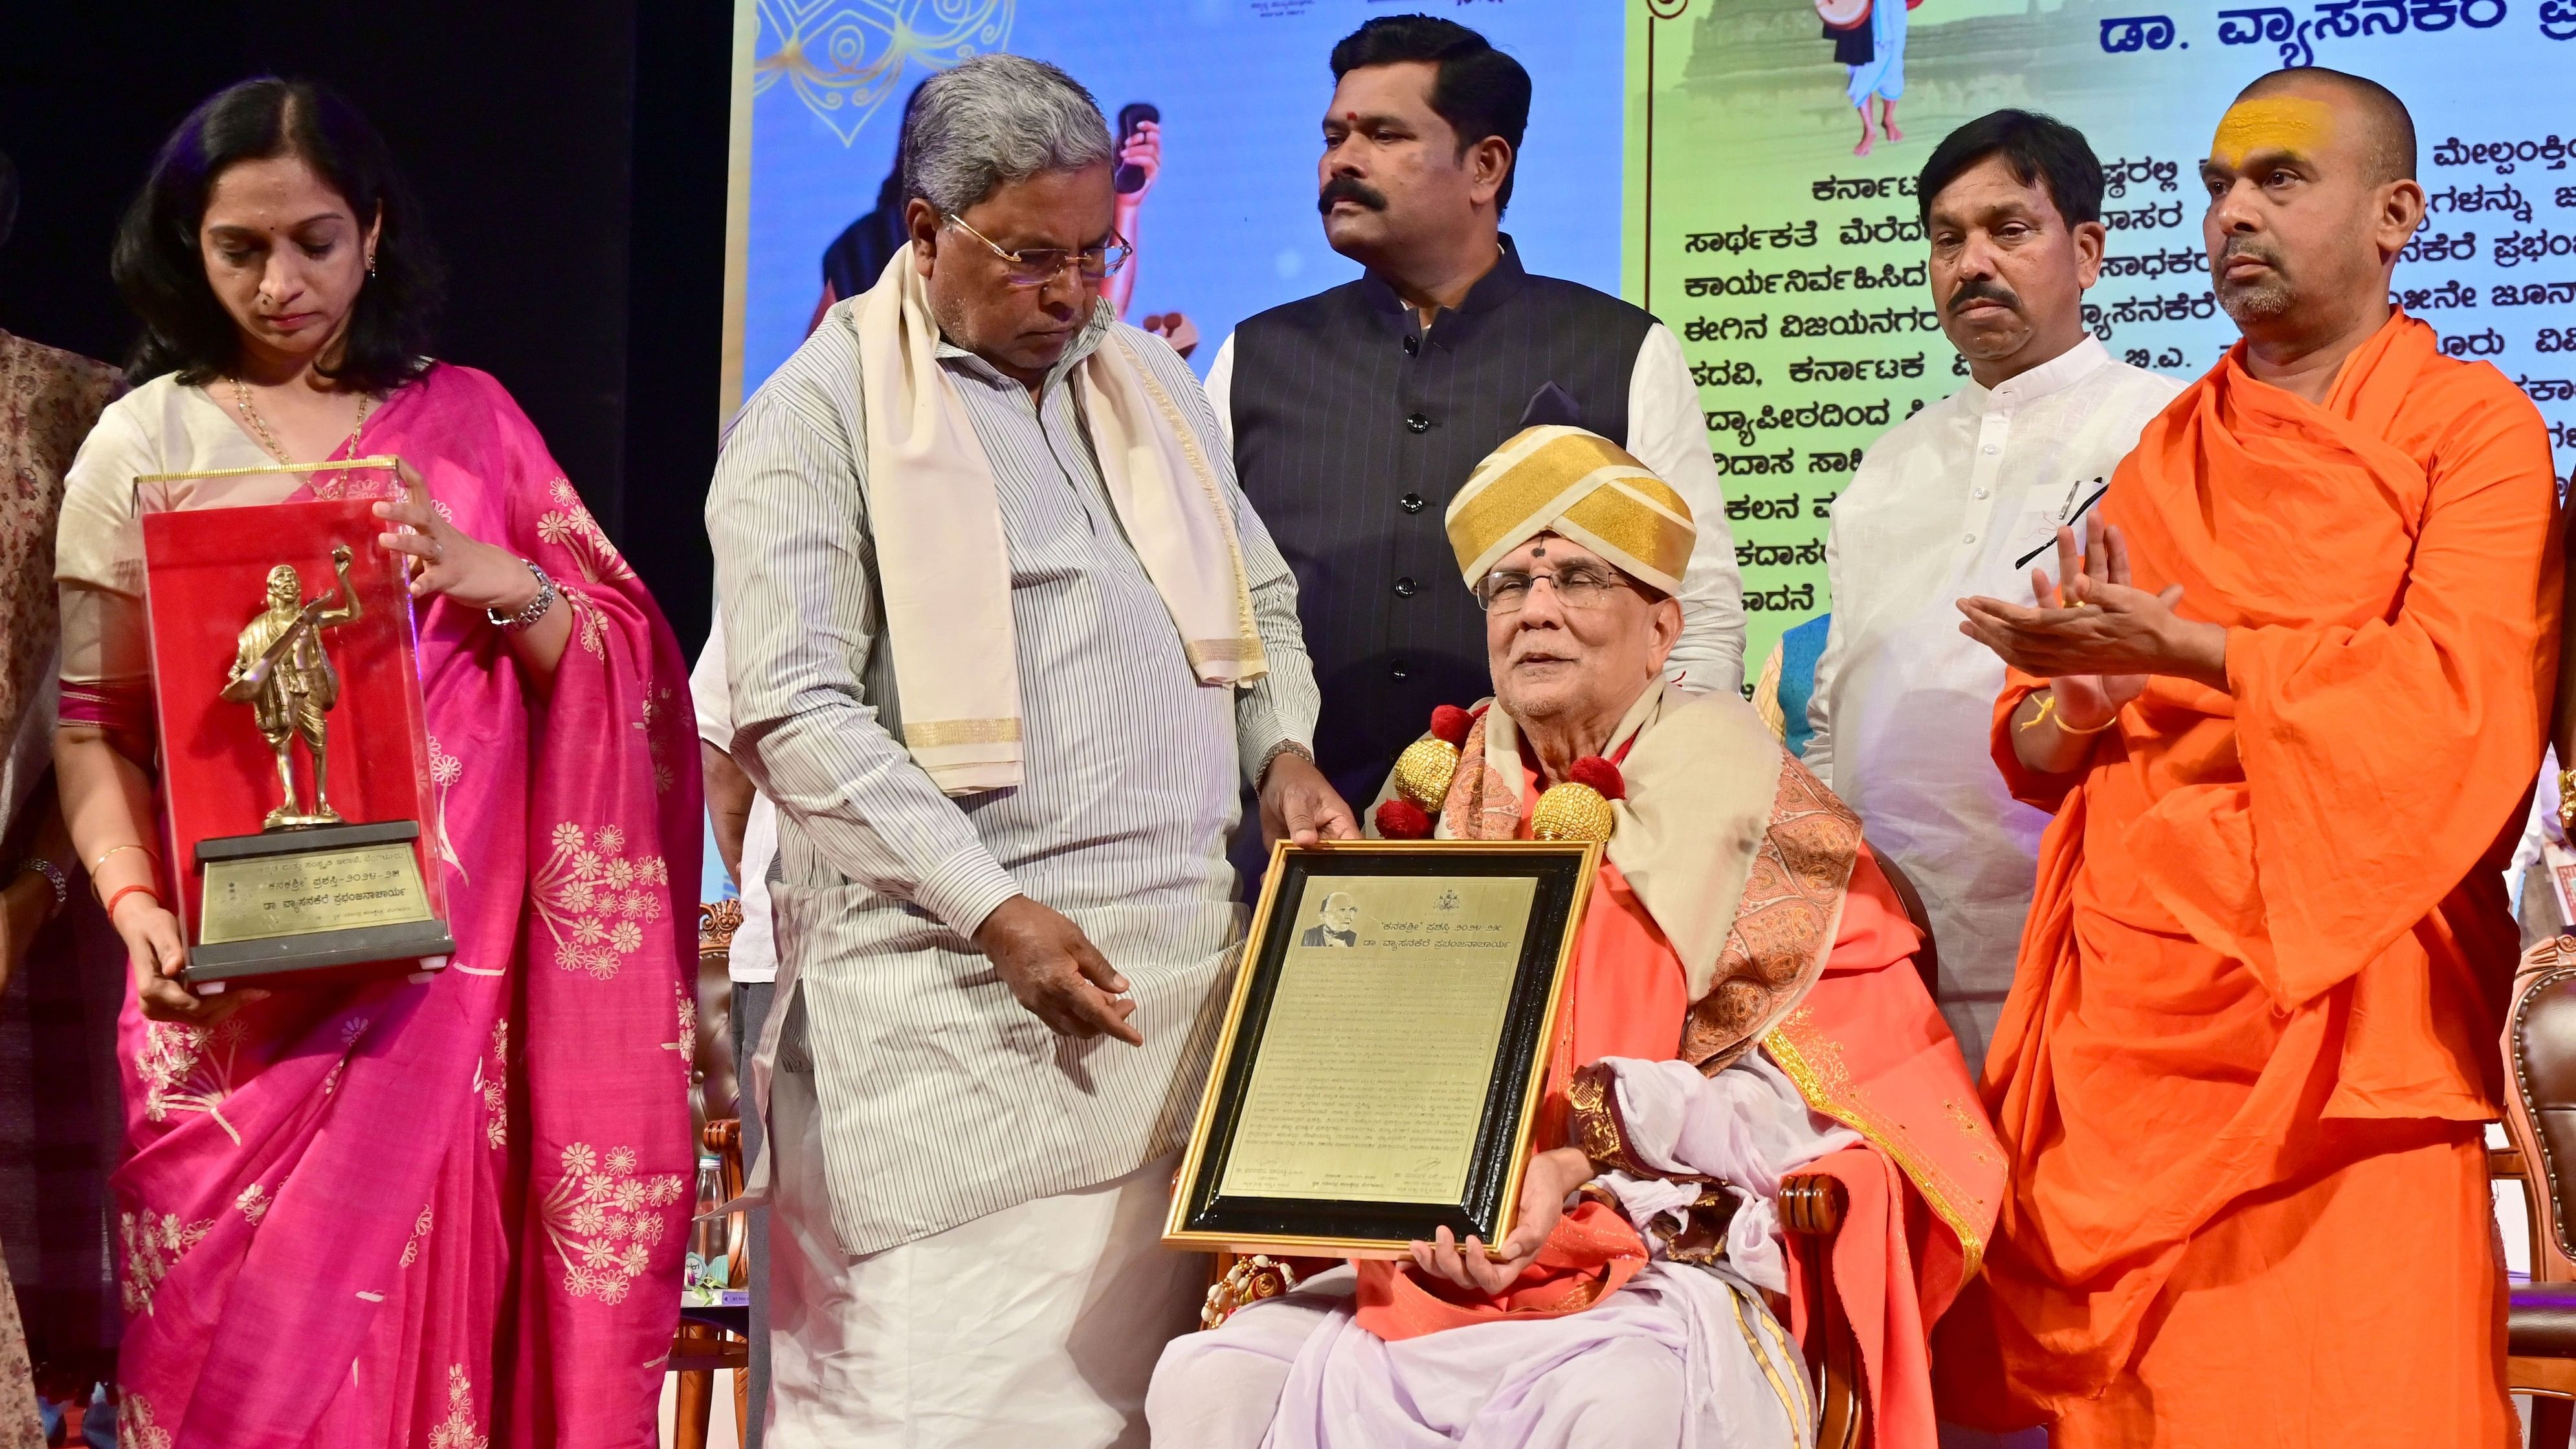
point(1742, 1003)
point(2250, 1048)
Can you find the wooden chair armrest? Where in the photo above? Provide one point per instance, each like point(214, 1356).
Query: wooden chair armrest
point(2505, 1162)
point(1812, 1204)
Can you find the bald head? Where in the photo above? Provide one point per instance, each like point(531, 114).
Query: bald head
point(2312, 197)
point(2376, 119)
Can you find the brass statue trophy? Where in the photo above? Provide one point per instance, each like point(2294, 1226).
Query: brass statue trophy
point(284, 674)
point(310, 897)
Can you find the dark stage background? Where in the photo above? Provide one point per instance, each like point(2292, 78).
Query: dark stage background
point(570, 157)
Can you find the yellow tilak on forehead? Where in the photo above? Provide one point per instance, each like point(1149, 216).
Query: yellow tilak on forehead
point(2272, 123)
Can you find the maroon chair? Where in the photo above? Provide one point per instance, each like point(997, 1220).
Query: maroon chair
point(2540, 1078)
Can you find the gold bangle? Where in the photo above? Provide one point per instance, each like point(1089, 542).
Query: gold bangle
point(2048, 706)
point(114, 849)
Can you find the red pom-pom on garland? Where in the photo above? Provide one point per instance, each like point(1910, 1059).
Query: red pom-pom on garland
point(1451, 723)
point(1401, 819)
point(1600, 774)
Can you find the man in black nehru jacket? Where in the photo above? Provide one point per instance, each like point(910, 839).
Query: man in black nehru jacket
point(1357, 412)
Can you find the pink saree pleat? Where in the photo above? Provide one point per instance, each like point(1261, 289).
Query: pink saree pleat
point(452, 1213)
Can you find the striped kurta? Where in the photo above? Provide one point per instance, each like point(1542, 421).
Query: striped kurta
point(942, 1099)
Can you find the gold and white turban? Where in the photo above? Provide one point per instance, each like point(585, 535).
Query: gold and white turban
point(1581, 485)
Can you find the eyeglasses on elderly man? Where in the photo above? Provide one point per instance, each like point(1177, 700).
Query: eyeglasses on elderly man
point(1577, 586)
point(1037, 266)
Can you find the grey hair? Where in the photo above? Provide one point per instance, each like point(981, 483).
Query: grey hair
point(994, 120)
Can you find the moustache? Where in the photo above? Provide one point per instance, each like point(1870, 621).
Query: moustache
point(1983, 291)
point(2246, 246)
point(1349, 188)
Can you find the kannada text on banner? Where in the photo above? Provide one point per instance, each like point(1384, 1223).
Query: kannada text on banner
point(1795, 271)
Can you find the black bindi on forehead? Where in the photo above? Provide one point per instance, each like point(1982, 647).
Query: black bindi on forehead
point(1539, 552)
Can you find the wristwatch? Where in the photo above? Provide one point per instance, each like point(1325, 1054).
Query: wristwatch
point(526, 618)
point(54, 877)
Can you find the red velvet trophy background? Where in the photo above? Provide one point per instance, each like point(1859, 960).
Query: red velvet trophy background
point(206, 576)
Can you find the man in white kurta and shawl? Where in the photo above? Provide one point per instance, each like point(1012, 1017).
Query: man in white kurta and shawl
point(1742, 1006)
point(1005, 642)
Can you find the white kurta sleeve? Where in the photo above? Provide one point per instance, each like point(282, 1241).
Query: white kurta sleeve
point(1746, 1127)
point(1668, 433)
point(1220, 390)
point(709, 695)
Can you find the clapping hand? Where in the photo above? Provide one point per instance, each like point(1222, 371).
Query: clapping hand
point(2099, 636)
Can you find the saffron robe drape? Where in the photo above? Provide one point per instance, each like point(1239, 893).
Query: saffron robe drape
point(2261, 981)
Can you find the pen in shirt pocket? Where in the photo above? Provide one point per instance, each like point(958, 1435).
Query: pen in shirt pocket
point(2068, 517)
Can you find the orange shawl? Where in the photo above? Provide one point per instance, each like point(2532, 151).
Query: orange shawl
point(2264, 908)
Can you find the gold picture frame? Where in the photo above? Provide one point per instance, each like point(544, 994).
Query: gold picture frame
point(1358, 1102)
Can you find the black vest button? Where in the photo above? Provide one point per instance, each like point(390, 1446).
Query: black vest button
point(1410, 503)
point(1399, 672)
point(1418, 423)
point(1406, 588)
point(1412, 345)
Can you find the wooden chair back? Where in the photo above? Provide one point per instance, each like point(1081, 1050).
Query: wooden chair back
point(2540, 1106)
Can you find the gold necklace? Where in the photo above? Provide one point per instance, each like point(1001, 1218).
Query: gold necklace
point(259, 425)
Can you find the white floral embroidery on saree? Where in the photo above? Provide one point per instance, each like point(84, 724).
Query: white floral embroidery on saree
point(458, 1430)
point(686, 1044)
point(135, 1428)
point(154, 1244)
point(657, 715)
point(444, 771)
point(492, 1082)
point(595, 899)
point(189, 1069)
point(569, 526)
point(604, 1217)
point(419, 1234)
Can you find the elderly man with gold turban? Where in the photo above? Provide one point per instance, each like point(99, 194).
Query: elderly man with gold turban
point(1742, 1006)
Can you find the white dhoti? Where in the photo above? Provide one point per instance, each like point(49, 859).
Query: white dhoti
point(1680, 1356)
point(1037, 1325)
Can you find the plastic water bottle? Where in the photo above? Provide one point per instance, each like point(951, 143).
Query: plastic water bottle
point(710, 1264)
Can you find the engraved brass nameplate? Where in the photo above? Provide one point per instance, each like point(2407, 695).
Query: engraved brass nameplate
point(296, 895)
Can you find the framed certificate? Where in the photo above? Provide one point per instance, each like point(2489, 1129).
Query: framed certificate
point(1385, 1048)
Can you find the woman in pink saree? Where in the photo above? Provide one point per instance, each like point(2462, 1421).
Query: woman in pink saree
point(449, 1212)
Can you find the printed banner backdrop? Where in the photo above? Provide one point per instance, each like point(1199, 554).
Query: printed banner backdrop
point(1228, 227)
point(1794, 270)
point(1697, 155)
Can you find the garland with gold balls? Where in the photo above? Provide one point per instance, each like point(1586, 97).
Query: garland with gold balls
point(1576, 808)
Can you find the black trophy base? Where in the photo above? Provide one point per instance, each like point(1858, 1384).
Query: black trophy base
point(314, 905)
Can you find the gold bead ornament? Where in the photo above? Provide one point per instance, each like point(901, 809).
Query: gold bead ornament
point(1424, 770)
point(1572, 812)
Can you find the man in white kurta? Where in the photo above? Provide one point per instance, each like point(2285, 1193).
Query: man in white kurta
point(1963, 498)
point(1005, 642)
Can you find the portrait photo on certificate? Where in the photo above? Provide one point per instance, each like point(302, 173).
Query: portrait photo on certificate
point(1384, 1047)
